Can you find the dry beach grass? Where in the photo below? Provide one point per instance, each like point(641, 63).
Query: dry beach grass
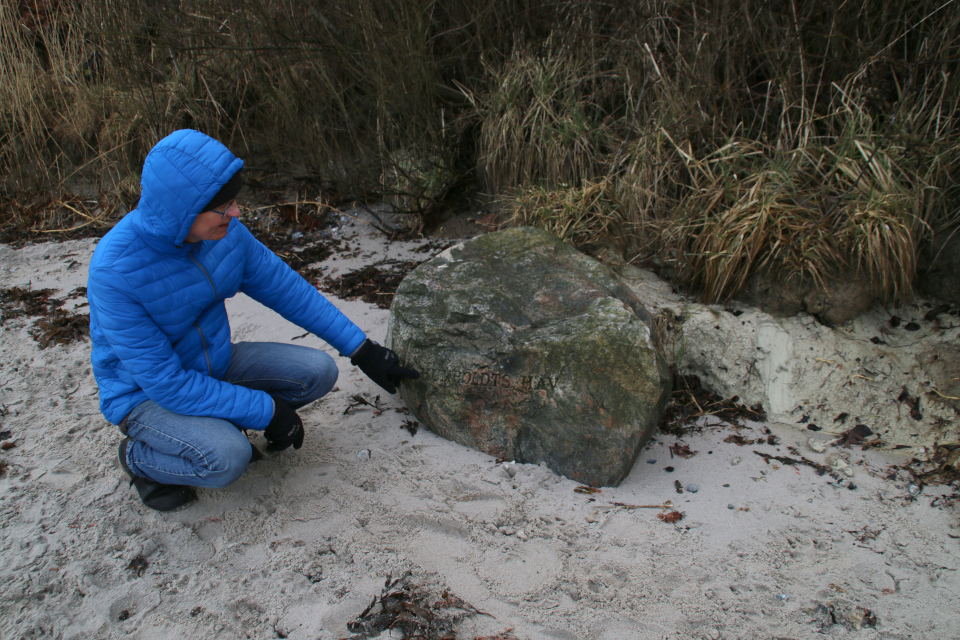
point(807, 139)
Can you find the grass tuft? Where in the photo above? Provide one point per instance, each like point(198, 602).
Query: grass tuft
point(586, 216)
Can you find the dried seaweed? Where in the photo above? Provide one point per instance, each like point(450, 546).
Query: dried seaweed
point(17, 302)
point(830, 614)
point(61, 327)
point(375, 283)
point(913, 403)
point(866, 533)
point(138, 565)
point(857, 435)
point(741, 441)
point(301, 260)
point(358, 400)
point(671, 517)
point(55, 324)
point(407, 608)
point(503, 635)
point(943, 467)
point(303, 238)
point(691, 401)
point(682, 451)
point(821, 469)
point(936, 311)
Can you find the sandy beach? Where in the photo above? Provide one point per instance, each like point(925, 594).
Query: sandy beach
point(305, 540)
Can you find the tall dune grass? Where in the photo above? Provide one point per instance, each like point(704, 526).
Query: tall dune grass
point(715, 137)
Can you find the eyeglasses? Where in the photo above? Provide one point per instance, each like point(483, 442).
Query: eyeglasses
point(226, 208)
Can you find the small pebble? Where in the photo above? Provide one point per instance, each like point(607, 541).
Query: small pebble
point(651, 461)
point(839, 464)
point(692, 488)
point(913, 489)
point(735, 462)
point(668, 469)
point(731, 507)
point(782, 597)
point(363, 454)
point(522, 534)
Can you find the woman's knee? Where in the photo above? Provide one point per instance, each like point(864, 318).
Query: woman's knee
point(323, 376)
point(327, 374)
point(227, 462)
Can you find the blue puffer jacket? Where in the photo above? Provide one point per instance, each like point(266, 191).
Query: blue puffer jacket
point(157, 320)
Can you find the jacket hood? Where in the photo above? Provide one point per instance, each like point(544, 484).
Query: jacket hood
point(180, 176)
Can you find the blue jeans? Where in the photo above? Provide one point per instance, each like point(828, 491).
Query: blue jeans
point(210, 452)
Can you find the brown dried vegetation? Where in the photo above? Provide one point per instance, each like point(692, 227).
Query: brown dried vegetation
point(54, 325)
point(690, 401)
point(713, 139)
point(411, 610)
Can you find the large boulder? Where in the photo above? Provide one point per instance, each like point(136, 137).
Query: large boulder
point(530, 351)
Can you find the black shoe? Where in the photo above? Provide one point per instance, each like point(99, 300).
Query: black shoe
point(162, 497)
point(255, 454)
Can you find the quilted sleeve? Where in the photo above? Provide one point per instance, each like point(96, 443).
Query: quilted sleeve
point(271, 282)
point(145, 354)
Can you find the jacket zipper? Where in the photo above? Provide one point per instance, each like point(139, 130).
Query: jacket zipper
point(203, 339)
point(206, 274)
point(206, 354)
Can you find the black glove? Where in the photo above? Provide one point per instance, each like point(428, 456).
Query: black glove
point(382, 365)
point(285, 428)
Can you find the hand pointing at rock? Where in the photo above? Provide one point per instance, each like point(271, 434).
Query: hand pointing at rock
point(382, 365)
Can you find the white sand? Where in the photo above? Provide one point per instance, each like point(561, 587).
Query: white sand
point(303, 541)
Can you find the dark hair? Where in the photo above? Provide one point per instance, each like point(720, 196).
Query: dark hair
point(227, 193)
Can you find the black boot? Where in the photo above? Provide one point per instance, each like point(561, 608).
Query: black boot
point(255, 454)
point(162, 497)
